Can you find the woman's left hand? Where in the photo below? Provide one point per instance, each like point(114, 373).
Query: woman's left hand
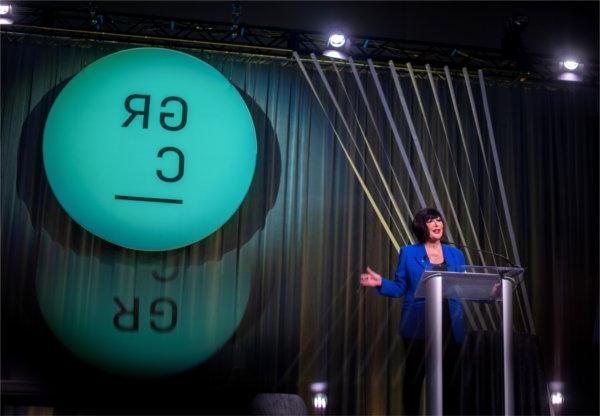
point(496, 290)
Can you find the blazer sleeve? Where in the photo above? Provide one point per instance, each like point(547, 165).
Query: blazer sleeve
point(397, 287)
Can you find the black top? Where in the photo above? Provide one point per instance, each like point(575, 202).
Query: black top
point(441, 267)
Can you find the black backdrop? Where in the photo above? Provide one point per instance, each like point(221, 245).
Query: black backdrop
point(311, 232)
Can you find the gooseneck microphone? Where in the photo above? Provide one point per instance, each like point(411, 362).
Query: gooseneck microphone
point(506, 259)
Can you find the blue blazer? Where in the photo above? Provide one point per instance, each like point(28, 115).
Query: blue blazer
point(411, 264)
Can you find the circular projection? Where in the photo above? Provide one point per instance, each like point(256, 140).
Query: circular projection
point(141, 314)
point(150, 149)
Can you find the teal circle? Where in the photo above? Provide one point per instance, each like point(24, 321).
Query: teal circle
point(139, 313)
point(150, 149)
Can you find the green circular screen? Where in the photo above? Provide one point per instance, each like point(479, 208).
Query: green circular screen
point(142, 313)
point(150, 149)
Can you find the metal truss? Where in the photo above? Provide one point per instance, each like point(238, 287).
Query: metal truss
point(91, 22)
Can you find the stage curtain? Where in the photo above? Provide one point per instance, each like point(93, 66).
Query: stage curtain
point(309, 232)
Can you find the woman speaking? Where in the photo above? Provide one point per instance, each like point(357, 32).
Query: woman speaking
point(429, 254)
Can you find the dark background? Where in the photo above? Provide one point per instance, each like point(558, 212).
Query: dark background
point(555, 27)
point(308, 321)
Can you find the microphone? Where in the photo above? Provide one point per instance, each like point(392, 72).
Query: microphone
point(506, 259)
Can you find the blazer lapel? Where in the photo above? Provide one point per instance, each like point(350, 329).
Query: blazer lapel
point(448, 256)
point(420, 255)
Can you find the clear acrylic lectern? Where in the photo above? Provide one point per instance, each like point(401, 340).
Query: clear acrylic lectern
point(479, 283)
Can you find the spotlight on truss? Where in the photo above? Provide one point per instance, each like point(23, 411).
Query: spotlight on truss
point(570, 64)
point(6, 17)
point(570, 69)
point(337, 46)
point(336, 40)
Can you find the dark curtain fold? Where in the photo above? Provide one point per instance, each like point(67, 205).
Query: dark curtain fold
point(304, 233)
point(482, 375)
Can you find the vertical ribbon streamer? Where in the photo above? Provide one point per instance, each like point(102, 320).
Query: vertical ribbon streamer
point(374, 159)
point(481, 146)
point(464, 144)
point(417, 145)
point(349, 130)
point(425, 167)
point(437, 160)
point(390, 118)
point(475, 307)
point(511, 231)
point(406, 235)
point(454, 165)
point(487, 169)
point(372, 118)
point(352, 165)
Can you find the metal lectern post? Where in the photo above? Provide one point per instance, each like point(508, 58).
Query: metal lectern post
point(477, 283)
point(507, 327)
point(433, 307)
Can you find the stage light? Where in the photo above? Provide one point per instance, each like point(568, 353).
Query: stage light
point(570, 64)
point(318, 387)
point(6, 17)
point(570, 69)
point(336, 40)
point(320, 401)
point(557, 398)
point(337, 45)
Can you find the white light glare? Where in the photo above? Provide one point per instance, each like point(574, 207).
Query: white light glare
point(320, 401)
point(318, 386)
point(5, 14)
point(334, 53)
point(337, 40)
point(557, 398)
point(571, 65)
point(570, 76)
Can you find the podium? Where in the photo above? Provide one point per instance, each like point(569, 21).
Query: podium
point(478, 283)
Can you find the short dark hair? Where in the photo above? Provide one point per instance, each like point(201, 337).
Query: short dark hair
point(419, 223)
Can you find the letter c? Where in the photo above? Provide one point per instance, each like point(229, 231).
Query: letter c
point(180, 166)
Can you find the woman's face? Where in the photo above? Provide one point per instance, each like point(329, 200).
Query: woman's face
point(435, 226)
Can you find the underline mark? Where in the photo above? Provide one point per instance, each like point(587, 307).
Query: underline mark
point(148, 199)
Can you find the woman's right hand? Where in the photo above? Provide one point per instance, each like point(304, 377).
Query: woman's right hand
point(370, 278)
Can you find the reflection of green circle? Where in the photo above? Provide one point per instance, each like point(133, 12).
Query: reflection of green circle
point(127, 164)
point(82, 299)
